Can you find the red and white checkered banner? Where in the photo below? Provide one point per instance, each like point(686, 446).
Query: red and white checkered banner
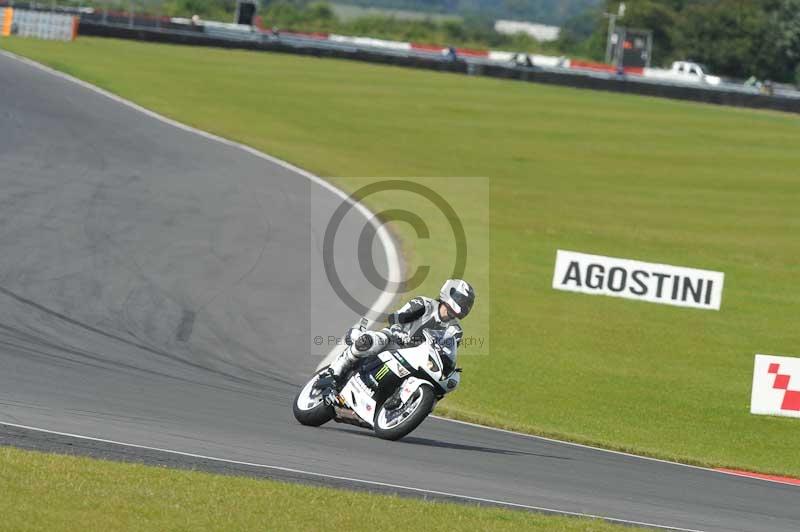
point(776, 386)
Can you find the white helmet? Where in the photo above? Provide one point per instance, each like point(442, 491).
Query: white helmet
point(458, 295)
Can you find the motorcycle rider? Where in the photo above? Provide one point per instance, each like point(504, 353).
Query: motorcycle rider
point(405, 327)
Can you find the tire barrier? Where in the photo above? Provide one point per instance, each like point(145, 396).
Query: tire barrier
point(38, 24)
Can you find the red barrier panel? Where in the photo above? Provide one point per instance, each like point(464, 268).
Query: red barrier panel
point(426, 47)
point(309, 34)
point(472, 53)
point(591, 65)
point(602, 67)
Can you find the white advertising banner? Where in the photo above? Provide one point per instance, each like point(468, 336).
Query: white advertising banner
point(633, 279)
point(776, 386)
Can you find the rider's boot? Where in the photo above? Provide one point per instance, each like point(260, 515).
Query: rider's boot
point(326, 379)
point(362, 346)
point(330, 378)
point(342, 363)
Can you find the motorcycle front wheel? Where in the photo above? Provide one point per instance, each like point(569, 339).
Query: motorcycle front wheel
point(393, 424)
point(309, 407)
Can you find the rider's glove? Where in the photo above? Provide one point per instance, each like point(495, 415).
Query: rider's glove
point(399, 335)
point(351, 336)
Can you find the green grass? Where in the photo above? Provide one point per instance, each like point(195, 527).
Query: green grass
point(626, 176)
point(96, 495)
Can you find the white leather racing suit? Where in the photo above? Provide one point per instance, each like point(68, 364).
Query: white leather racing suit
point(420, 313)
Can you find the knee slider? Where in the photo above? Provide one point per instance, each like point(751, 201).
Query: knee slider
point(363, 343)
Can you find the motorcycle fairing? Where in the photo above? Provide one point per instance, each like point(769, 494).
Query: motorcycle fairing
point(359, 398)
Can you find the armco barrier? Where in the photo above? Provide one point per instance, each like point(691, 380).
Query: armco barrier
point(118, 18)
point(284, 44)
point(641, 86)
point(435, 61)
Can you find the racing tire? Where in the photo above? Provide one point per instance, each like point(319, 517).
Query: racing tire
point(310, 409)
point(422, 402)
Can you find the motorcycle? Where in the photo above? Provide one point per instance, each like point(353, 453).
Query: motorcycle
point(391, 392)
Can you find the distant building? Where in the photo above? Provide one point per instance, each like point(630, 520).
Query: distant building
point(540, 32)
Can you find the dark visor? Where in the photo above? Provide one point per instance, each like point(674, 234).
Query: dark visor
point(463, 302)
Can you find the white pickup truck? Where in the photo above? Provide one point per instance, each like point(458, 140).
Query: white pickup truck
point(684, 71)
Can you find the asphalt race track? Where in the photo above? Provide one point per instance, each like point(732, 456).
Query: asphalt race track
point(155, 291)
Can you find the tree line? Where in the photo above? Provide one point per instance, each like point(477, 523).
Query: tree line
point(553, 12)
point(470, 30)
point(735, 38)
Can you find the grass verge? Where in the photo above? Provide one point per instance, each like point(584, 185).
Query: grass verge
point(627, 176)
point(96, 495)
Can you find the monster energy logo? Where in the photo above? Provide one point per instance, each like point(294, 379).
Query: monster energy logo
point(382, 372)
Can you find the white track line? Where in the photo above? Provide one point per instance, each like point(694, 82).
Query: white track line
point(352, 480)
point(611, 451)
point(745, 474)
